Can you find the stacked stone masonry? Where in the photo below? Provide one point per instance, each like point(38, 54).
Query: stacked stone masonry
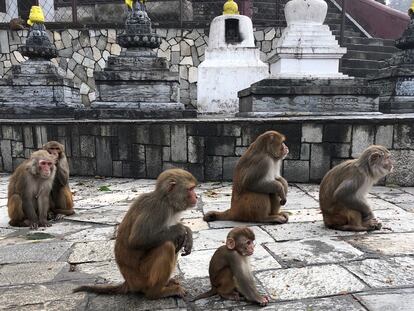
point(81, 52)
point(209, 149)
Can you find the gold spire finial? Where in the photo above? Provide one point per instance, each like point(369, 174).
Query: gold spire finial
point(411, 9)
point(35, 15)
point(230, 7)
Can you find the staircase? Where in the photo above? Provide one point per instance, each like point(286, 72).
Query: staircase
point(364, 55)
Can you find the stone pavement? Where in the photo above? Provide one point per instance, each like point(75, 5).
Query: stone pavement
point(300, 265)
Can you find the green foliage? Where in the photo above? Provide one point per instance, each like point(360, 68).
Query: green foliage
point(104, 188)
point(38, 236)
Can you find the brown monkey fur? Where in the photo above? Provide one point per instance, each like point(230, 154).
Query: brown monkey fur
point(61, 202)
point(258, 189)
point(150, 236)
point(17, 23)
point(229, 269)
point(29, 190)
point(343, 190)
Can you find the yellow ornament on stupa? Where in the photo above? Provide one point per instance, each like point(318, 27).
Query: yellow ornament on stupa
point(230, 7)
point(35, 16)
point(129, 3)
point(411, 9)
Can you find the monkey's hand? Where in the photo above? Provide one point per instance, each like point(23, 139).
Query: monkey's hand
point(179, 237)
point(188, 242)
point(283, 201)
point(263, 301)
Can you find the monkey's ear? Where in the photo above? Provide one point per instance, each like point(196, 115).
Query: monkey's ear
point(374, 156)
point(230, 243)
point(171, 185)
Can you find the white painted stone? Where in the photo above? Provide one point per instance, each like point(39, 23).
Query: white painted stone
point(78, 57)
point(84, 89)
point(92, 96)
point(187, 60)
point(313, 281)
point(116, 49)
point(192, 74)
point(96, 53)
point(306, 48)
point(270, 34)
point(175, 48)
point(228, 68)
point(314, 251)
point(56, 36)
point(111, 35)
point(89, 72)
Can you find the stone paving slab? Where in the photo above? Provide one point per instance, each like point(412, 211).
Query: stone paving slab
point(312, 281)
point(301, 265)
point(401, 300)
point(313, 251)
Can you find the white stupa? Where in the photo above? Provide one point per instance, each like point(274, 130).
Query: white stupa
point(232, 63)
point(307, 48)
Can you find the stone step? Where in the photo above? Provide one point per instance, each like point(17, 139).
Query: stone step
point(369, 41)
point(347, 34)
point(371, 48)
point(366, 56)
point(333, 15)
point(360, 63)
point(358, 72)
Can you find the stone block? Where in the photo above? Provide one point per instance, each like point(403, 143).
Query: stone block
point(229, 163)
point(87, 146)
point(320, 161)
point(304, 151)
point(229, 130)
point(239, 151)
point(362, 138)
point(312, 133)
point(195, 149)
point(397, 299)
point(213, 168)
point(296, 171)
point(138, 153)
point(294, 151)
point(17, 149)
point(340, 133)
point(178, 143)
point(166, 154)
point(134, 169)
point(403, 173)
point(154, 134)
point(41, 136)
point(340, 150)
point(117, 168)
point(4, 42)
point(222, 146)
point(103, 156)
point(203, 129)
point(6, 153)
point(153, 162)
point(404, 136)
point(384, 135)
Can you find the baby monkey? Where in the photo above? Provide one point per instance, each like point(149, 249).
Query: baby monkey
point(229, 270)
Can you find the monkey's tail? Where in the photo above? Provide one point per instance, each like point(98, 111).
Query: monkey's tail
point(103, 289)
point(207, 294)
point(212, 216)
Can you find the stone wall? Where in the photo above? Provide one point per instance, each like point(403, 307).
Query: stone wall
point(83, 51)
point(210, 148)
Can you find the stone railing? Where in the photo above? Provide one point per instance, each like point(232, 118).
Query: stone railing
point(84, 51)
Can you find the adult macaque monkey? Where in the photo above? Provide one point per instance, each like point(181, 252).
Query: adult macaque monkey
point(61, 202)
point(258, 189)
point(150, 236)
point(343, 190)
point(229, 270)
point(29, 191)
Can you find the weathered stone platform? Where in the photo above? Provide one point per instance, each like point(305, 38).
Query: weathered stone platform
point(300, 265)
point(308, 96)
point(210, 147)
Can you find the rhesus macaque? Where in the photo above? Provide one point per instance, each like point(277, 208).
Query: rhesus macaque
point(258, 189)
point(229, 270)
point(17, 23)
point(151, 235)
point(61, 202)
point(29, 190)
point(343, 190)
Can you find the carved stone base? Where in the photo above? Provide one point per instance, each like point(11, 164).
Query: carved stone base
point(273, 97)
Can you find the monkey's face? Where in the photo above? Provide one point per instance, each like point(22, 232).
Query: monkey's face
point(284, 150)
point(381, 163)
point(191, 196)
point(45, 168)
point(245, 246)
point(54, 151)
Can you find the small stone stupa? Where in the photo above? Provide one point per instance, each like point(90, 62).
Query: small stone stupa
point(396, 79)
point(304, 77)
point(232, 62)
point(37, 88)
point(137, 84)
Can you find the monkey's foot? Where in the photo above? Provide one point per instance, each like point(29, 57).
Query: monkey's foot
point(373, 224)
point(58, 217)
point(173, 281)
point(44, 223)
point(280, 218)
point(232, 296)
point(263, 301)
